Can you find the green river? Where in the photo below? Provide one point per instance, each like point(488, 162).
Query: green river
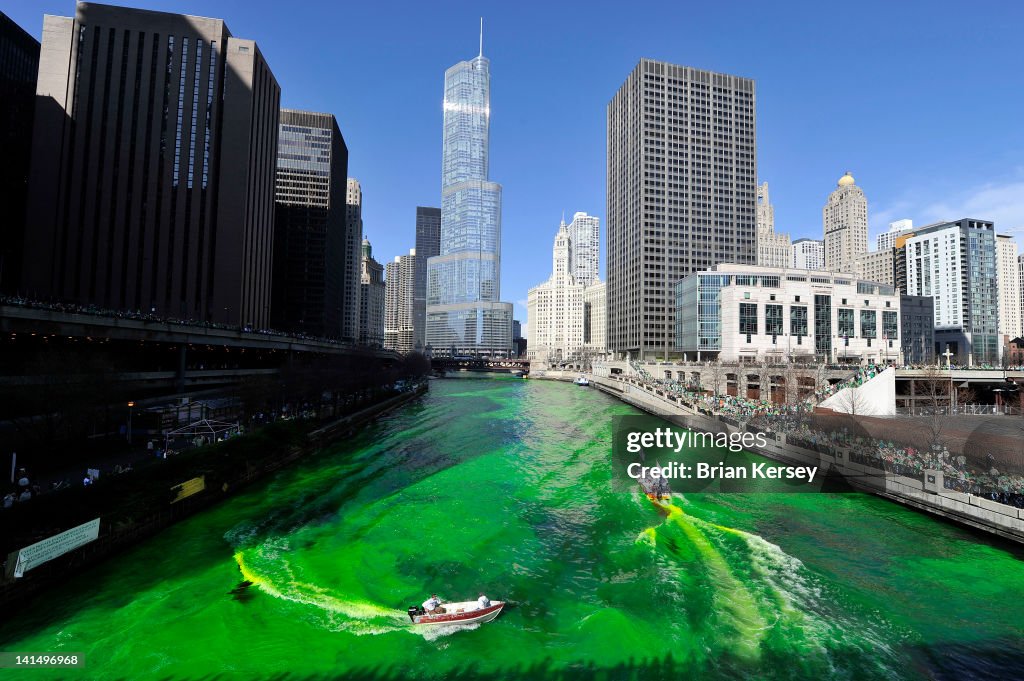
point(504, 485)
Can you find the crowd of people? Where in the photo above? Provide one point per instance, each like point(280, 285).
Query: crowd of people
point(958, 473)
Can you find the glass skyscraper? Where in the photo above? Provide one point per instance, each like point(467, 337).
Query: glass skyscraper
point(464, 315)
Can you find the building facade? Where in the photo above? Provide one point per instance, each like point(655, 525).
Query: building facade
point(371, 300)
point(19, 66)
point(428, 244)
point(742, 313)
point(353, 256)
point(309, 225)
point(153, 164)
point(1008, 283)
point(773, 248)
point(887, 240)
point(845, 223)
point(877, 266)
point(400, 292)
point(595, 319)
point(955, 264)
point(554, 309)
point(917, 322)
point(808, 254)
point(675, 136)
point(585, 237)
point(464, 312)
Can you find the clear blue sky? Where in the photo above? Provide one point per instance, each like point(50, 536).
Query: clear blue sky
point(922, 101)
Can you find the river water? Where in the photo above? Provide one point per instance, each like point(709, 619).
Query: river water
point(504, 485)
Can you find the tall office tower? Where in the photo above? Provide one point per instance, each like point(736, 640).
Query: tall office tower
point(464, 315)
point(887, 240)
point(309, 224)
point(773, 248)
point(371, 300)
point(1020, 280)
point(428, 244)
point(353, 257)
point(845, 223)
point(681, 188)
point(1008, 283)
point(808, 254)
point(585, 247)
point(400, 293)
point(153, 162)
point(19, 65)
point(955, 263)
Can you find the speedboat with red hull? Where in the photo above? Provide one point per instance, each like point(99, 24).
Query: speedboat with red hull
point(467, 612)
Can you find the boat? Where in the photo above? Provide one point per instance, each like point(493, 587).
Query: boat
point(582, 381)
point(466, 612)
point(519, 373)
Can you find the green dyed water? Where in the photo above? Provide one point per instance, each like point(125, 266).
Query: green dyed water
point(504, 485)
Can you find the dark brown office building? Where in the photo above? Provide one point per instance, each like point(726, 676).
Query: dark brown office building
point(153, 152)
point(310, 228)
point(19, 63)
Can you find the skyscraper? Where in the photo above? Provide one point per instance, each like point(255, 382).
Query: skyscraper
point(153, 162)
point(428, 244)
point(585, 239)
point(400, 291)
point(887, 240)
point(1008, 282)
point(310, 224)
point(464, 315)
point(353, 258)
point(845, 223)
point(773, 248)
point(681, 187)
point(371, 300)
point(19, 65)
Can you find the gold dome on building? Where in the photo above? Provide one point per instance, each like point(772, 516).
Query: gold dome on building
point(846, 180)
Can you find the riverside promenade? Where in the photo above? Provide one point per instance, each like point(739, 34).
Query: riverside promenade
point(925, 490)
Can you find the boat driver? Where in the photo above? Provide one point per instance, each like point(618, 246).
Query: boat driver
point(433, 605)
point(484, 601)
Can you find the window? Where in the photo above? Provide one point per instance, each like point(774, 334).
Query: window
point(796, 299)
point(846, 321)
point(773, 320)
point(868, 324)
point(748, 318)
point(798, 321)
point(890, 320)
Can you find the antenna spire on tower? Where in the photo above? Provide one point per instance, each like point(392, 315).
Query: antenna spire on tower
point(481, 36)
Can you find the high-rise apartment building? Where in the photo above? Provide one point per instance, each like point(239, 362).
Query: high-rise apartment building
point(808, 254)
point(428, 244)
point(400, 292)
point(955, 264)
point(773, 248)
point(845, 223)
point(887, 240)
point(585, 238)
point(19, 65)
point(371, 300)
point(153, 163)
point(464, 312)
point(681, 191)
point(353, 257)
point(1008, 282)
point(310, 224)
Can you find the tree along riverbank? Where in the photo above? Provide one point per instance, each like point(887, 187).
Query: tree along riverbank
point(136, 505)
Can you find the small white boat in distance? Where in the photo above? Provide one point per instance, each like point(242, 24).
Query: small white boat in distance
point(466, 612)
point(582, 381)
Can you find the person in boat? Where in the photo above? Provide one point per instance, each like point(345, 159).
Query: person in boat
point(483, 601)
point(432, 606)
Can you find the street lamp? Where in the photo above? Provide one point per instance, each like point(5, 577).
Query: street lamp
point(130, 406)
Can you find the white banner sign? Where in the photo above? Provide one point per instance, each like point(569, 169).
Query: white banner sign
point(57, 545)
